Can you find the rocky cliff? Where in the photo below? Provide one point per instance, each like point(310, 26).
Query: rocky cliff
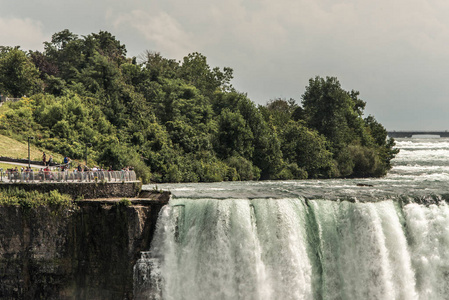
point(84, 252)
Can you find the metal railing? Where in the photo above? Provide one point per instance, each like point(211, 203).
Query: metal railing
point(5, 99)
point(12, 99)
point(67, 176)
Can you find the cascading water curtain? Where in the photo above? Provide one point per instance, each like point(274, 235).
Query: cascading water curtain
point(297, 249)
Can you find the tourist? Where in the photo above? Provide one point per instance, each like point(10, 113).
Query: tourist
point(44, 158)
point(47, 173)
point(31, 174)
point(67, 162)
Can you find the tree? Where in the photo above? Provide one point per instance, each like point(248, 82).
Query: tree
point(359, 146)
point(331, 110)
point(119, 156)
point(266, 155)
point(158, 67)
point(99, 75)
point(307, 149)
point(18, 75)
point(197, 72)
point(279, 111)
point(385, 145)
point(234, 136)
point(183, 119)
point(46, 68)
point(65, 52)
point(106, 44)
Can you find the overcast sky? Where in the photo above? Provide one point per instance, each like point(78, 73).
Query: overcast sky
point(395, 52)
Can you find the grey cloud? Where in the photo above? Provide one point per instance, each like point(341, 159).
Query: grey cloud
point(393, 52)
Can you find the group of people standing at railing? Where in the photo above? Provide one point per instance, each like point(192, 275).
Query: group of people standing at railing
point(45, 174)
point(28, 170)
point(28, 173)
point(49, 166)
point(52, 171)
point(16, 170)
point(67, 164)
point(50, 162)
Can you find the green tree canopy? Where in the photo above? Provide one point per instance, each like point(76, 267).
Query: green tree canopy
point(180, 121)
point(307, 149)
point(337, 114)
point(18, 75)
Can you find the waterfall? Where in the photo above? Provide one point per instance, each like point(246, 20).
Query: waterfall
point(429, 243)
point(147, 278)
point(296, 249)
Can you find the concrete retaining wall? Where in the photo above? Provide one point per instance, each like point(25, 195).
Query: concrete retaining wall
point(86, 190)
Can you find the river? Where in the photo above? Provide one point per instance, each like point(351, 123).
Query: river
point(309, 239)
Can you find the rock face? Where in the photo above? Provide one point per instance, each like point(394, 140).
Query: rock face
point(86, 252)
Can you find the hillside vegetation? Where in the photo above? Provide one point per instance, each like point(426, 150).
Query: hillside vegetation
point(12, 148)
point(179, 121)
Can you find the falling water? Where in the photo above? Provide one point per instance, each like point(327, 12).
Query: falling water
point(306, 239)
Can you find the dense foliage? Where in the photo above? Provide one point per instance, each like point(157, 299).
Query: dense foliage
point(178, 121)
point(32, 199)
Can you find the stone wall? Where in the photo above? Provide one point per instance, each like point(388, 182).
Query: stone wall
point(85, 252)
point(86, 190)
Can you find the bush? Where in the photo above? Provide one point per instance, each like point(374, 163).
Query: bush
point(365, 160)
point(292, 171)
point(119, 156)
point(173, 174)
point(243, 167)
point(27, 200)
point(124, 202)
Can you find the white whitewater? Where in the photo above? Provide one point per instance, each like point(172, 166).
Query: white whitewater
point(220, 250)
point(429, 243)
point(210, 244)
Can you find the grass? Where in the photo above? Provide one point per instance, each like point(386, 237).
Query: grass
point(5, 166)
point(16, 149)
point(12, 148)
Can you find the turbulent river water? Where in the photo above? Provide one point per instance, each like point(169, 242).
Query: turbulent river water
point(384, 238)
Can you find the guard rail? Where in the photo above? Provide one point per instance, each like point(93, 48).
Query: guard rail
point(67, 176)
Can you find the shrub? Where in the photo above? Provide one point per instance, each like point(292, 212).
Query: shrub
point(243, 167)
point(27, 200)
point(124, 202)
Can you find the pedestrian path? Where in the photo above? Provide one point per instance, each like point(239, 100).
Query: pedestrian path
point(21, 164)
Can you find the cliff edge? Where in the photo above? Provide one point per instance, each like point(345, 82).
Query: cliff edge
point(86, 251)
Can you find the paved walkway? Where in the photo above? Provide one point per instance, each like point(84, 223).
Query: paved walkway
point(22, 164)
